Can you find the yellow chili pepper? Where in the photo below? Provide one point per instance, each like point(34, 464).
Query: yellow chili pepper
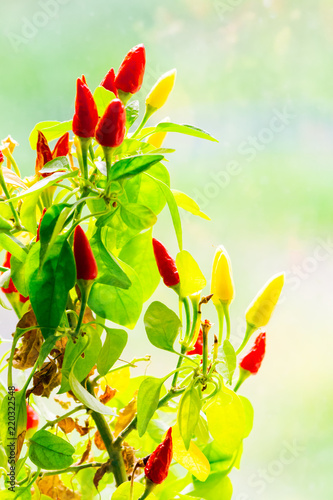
point(222, 283)
point(158, 138)
point(160, 92)
point(261, 308)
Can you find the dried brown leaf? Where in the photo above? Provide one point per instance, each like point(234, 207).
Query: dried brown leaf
point(109, 393)
point(27, 353)
point(126, 415)
point(100, 473)
point(82, 430)
point(99, 443)
point(64, 404)
point(86, 453)
point(128, 453)
point(45, 380)
point(67, 425)
point(54, 488)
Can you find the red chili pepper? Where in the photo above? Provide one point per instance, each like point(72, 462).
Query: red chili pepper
point(108, 82)
point(44, 153)
point(11, 288)
point(40, 221)
point(1, 156)
point(198, 346)
point(32, 418)
point(86, 116)
point(130, 74)
point(110, 131)
point(86, 267)
point(158, 464)
point(252, 361)
point(166, 264)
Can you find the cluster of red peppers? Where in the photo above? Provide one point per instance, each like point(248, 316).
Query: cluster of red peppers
point(109, 129)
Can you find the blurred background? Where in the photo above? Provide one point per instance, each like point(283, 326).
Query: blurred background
point(257, 75)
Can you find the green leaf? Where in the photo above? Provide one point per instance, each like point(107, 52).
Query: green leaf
point(147, 402)
point(48, 287)
point(217, 486)
point(51, 225)
point(138, 253)
point(18, 275)
point(117, 304)
point(45, 183)
point(5, 225)
point(50, 452)
point(133, 165)
point(13, 246)
point(109, 270)
point(162, 326)
point(182, 129)
point(188, 204)
point(132, 113)
point(28, 213)
point(113, 346)
point(137, 216)
point(123, 491)
point(229, 361)
point(249, 415)
point(226, 420)
point(59, 163)
point(191, 278)
point(188, 414)
point(13, 408)
point(86, 398)
point(102, 98)
point(51, 130)
point(83, 365)
point(170, 199)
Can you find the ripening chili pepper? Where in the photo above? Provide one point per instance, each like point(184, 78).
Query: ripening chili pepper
point(85, 116)
point(40, 221)
point(261, 308)
point(86, 267)
point(1, 157)
point(198, 346)
point(108, 82)
point(157, 467)
point(160, 92)
point(32, 418)
point(222, 283)
point(166, 264)
point(111, 128)
point(44, 153)
point(130, 74)
point(252, 361)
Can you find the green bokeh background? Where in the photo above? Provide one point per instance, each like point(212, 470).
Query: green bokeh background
point(240, 64)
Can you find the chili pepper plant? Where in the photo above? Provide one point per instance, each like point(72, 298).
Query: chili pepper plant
point(81, 265)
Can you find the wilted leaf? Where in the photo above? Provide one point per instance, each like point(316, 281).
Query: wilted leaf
point(99, 443)
point(86, 453)
point(67, 425)
point(109, 393)
point(27, 353)
point(126, 414)
point(100, 473)
point(54, 488)
point(83, 430)
point(128, 453)
point(46, 379)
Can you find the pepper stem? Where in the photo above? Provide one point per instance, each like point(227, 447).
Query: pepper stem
point(243, 375)
point(225, 307)
point(5, 190)
point(249, 330)
point(85, 287)
point(84, 144)
point(149, 111)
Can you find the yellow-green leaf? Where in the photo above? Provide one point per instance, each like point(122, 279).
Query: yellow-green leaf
point(191, 278)
point(192, 459)
point(188, 204)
